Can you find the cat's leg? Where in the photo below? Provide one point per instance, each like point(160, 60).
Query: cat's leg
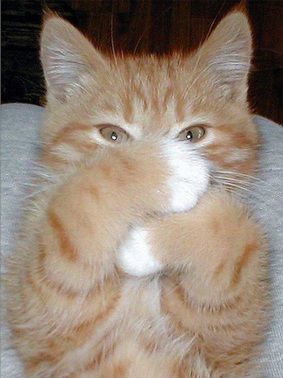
point(69, 285)
point(214, 282)
point(90, 215)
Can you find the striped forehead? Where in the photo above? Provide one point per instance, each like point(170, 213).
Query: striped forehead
point(153, 96)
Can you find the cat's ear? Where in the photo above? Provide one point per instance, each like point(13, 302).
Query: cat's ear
point(225, 57)
point(67, 57)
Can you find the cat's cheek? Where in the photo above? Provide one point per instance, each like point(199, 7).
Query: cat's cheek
point(135, 256)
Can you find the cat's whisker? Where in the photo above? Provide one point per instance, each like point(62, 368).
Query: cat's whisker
point(112, 41)
point(248, 178)
point(229, 184)
point(245, 180)
point(235, 182)
point(231, 180)
point(252, 179)
point(147, 28)
point(34, 194)
point(117, 66)
point(246, 186)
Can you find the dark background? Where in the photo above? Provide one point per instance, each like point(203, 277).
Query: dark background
point(136, 26)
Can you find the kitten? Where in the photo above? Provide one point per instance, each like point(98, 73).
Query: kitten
point(132, 262)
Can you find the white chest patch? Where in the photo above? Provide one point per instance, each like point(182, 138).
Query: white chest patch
point(135, 255)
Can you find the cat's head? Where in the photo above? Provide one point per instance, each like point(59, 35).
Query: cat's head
point(200, 97)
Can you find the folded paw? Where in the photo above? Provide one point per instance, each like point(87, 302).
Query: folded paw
point(135, 256)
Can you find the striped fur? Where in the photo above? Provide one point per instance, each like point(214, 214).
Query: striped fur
point(131, 263)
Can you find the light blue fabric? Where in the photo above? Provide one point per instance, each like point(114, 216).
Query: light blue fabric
point(20, 125)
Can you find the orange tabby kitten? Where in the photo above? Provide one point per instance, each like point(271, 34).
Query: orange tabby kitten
point(132, 262)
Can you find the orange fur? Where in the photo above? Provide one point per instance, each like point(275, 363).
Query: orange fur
point(73, 309)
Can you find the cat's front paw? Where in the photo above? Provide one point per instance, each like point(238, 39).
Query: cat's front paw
point(188, 175)
point(135, 256)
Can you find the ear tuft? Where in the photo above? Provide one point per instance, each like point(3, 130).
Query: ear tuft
point(227, 55)
point(67, 57)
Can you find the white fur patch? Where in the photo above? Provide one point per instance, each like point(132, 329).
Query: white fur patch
point(67, 152)
point(135, 255)
point(189, 176)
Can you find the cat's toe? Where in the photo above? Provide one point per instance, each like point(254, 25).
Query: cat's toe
point(135, 255)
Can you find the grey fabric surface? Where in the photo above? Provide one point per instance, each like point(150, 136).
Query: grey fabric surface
point(267, 201)
point(20, 124)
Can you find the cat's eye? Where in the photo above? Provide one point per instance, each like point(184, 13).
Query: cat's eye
point(192, 134)
point(113, 134)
